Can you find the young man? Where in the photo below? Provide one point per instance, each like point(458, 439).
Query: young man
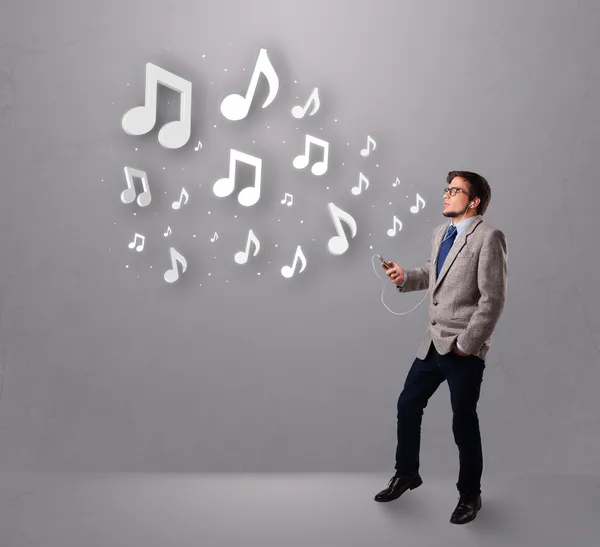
point(468, 281)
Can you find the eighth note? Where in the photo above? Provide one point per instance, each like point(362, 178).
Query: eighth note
point(168, 231)
point(394, 184)
point(288, 271)
point(196, 148)
point(338, 245)
point(172, 275)
point(298, 111)
point(140, 247)
point(214, 238)
point(356, 190)
point(284, 200)
point(365, 151)
point(235, 107)
point(396, 222)
point(415, 208)
point(177, 204)
point(241, 257)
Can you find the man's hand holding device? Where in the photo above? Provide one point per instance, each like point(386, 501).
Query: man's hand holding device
point(393, 270)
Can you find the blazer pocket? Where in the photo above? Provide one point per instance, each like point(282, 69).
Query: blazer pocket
point(465, 254)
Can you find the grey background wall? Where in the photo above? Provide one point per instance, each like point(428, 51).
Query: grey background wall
point(106, 367)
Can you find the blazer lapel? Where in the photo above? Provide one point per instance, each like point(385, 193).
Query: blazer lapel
point(459, 243)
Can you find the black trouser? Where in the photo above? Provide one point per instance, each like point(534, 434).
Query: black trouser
point(464, 375)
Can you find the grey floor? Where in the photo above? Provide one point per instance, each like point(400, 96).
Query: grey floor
point(180, 510)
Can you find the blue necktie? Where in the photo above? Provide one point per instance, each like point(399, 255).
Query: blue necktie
point(445, 247)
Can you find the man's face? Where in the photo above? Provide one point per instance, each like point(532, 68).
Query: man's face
point(454, 206)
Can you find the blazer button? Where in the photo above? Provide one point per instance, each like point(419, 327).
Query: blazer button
point(435, 302)
point(433, 322)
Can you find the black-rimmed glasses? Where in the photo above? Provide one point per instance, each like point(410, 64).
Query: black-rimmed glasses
point(454, 191)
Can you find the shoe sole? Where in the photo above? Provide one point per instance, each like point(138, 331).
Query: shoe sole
point(408, 487)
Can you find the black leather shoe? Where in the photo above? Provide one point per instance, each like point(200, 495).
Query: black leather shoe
point(467, 508)
point(397, 487)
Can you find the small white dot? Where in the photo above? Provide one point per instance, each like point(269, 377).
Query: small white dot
point(164, 167)
point(268, 127)
point(257, 273)
point(335, 120)
point(301, 222)
point(127, 84)
point(278, 220)
point(134, 214)
point(209, 212)
point(253, 142)
point(101, 180)
point(227, 281)
point(208, 273)
point(225, 69)
point(136, 149)
point(295, 81)
point(138, 276)
point(326, 187)
point(215, 125)
point(109, 249)
point(283, 142)
point(203, 55)
point(127, 265)
point(376, 165)
point(194, 235)
point(115, 223)
point(234, 216)
point(347, 144)
point(150, 267)
point(276, 245)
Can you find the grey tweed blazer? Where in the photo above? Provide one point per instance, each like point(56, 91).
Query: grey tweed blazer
point(467, 299)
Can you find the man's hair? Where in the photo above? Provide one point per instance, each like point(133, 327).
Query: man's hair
point(478, 188)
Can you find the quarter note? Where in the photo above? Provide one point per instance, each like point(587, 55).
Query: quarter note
point(140, 247)
point(172, 275)
point(338, 245)
point(415, 208)
point(141, 119)
point(235, 107)
point(366, 151)
point(396, 222)
point(241, 257)
point(248, 196)
point(177, 204)
point(128, 195)
point(288, 271)
point(298, 111)
point(356, 190)
point(301, 161)
point(284, 200)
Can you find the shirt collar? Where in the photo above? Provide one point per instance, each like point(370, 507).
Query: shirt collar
point(462, 225)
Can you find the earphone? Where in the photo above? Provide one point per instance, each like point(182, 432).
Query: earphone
point(427, 291)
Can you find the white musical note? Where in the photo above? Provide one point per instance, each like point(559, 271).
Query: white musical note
point(140, 247)
point(301, 161)
point(172, 275)
point(356, 190)
point(365, 151)
point(248, 196)
point(214, 237)
point(415, 208)
point(198, 146)
point(298, 111)
point(284, 200)
point(141, 119)
point(396, 183)
point(338, 245)
point(241, 257)
point(128, 195)
point(177, 204)
point(288, 271)
point(168, 231)
point(396, 222)
point(235, 107)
